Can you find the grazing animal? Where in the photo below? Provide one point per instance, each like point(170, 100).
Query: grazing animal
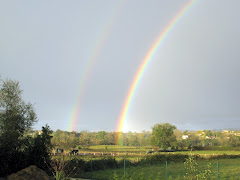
point(74, 152)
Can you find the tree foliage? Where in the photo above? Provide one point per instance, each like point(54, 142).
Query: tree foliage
point(163, 135)
point(17, 116)
point(18, 150)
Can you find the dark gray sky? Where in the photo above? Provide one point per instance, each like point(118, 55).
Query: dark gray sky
point(191, 82)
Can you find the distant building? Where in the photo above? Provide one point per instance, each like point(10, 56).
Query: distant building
point(184, 136)
point(211, 137)
point(229, 132)
point(201, 134)
point(34, 133)
point(225, 131)
point(38, 132)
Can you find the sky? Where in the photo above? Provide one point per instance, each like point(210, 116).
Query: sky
point(76, 60)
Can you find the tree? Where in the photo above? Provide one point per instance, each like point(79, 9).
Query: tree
point(111, 136)
point(233, 140)
point(101, 137)
point(16, 117)
point(39, 148)
point(162, 135)
point(84, 139)
point(18, 150)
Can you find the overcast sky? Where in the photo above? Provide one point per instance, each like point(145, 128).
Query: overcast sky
point(80, 52)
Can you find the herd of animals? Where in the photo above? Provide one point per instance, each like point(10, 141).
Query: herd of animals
point(60, 151)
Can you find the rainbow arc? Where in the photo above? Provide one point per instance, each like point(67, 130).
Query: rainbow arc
point(143, 67)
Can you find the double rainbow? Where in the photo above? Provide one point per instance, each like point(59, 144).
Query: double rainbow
point(144, 65)
point(85, 75)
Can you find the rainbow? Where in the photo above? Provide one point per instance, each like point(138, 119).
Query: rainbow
point(85, 75)
point(143, 67)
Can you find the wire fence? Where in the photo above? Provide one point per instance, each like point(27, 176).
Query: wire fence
point(169, 171)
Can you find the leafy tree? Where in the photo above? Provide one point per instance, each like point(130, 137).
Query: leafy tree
point(84, 138)
point(194, 140)
point(101, 137)
point(111, 136)
point(39, 148)
point(17, 149)
point(233, 140)
point(16, 118)
point(163, 135)
point(133, 139)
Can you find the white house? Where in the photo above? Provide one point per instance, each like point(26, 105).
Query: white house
point(184, 136)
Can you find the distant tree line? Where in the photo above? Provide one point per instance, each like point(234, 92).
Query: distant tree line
point(163, 136)
point(166, 135)
point(208, 139)
point(68, 140)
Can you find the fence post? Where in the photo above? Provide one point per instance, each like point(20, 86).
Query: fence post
point(91, 168)
point(217, 170)
point(166, 170)
point(124, 169)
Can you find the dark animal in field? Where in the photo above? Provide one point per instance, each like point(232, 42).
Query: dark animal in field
point(149, 152)
point(58, 151)
point(74, 152)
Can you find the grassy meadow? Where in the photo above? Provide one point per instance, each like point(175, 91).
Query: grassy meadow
point(228, 169)
point(229, 163)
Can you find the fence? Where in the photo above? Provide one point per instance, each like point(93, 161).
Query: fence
point(159, 166)
point(167, 170)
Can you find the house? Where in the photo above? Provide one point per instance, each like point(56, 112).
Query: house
point(38, 132)
point(211, 137)
point(184, 136)
point(225, 131)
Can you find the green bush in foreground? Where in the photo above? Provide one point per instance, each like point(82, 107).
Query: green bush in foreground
point(192, 172)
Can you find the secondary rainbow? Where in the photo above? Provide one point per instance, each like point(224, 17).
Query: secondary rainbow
point(144, 65)
point(74, 115)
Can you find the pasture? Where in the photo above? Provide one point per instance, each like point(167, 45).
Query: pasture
point(228, 169)
point(136, 153)
point(142, 168)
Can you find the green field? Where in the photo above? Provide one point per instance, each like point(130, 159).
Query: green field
point(228, 169)
point(229, 166)
point(118, 148)
point(141, 150)
point(136, 153)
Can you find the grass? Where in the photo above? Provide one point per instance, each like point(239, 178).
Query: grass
point(135, 153)
point(89, 158)
point(229, 169)
point(144, 149)
point(117, 148)
point(211, 152)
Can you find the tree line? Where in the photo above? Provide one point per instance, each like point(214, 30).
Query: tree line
point(162, 135)
point(83, 139)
